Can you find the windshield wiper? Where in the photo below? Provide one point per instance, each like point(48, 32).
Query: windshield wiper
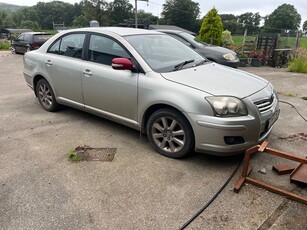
point(201, 62)
point(182, 64)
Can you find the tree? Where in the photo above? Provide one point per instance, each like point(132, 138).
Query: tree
point(54, 12)
point(119, 10)
point(211, 28)
point(305, 26)
point(230, 22)
point(6, 19)
point(96, 10)
point(285, 17)
point(80, 21)
point(147, 17)
point(250, 21)
point(181, 13)
point(27, 24)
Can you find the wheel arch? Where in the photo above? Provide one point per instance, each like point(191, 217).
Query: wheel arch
point(35, 81)
point(153, 108)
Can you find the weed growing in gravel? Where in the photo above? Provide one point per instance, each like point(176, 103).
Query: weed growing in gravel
point(73, 156)
point(290, 94)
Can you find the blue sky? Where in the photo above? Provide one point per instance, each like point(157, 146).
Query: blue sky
point(236, 7)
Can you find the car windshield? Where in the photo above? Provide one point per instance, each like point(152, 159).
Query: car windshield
point(164, 53)
point(192, 39)
point(41, 37)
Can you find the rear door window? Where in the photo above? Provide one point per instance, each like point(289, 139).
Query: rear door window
point(27, 38)
point(70, 45)
point(41, 37)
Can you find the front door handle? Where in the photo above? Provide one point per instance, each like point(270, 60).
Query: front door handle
point(87, 73)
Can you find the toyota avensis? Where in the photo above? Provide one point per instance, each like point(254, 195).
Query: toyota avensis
point(154, 83)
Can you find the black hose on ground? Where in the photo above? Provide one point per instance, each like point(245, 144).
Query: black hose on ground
point(295, 109)
point(212, 199)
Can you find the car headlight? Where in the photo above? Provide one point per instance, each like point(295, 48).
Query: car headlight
point(229, 56)
point(227, 106)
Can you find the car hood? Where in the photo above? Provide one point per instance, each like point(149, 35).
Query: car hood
point(217, 80)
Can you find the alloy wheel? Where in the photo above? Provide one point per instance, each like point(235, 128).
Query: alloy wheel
point(168, 134)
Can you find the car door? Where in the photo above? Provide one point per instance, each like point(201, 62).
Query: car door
point(18, 43)
point(109, 92)
point(63, 65)
point(26, 42)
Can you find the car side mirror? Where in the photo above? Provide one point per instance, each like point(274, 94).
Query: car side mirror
point(122, 64)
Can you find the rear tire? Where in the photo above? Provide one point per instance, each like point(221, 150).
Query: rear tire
point(46, 96)
point(170, 133)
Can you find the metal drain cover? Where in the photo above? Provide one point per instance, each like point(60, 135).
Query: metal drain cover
point(95, 154)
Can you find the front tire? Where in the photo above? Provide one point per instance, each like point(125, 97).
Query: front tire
point(170, 133)
point(46, 96)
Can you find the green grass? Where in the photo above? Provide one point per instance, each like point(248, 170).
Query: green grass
point(298, 65)
point(285, 41)
point(303, 43)
point(5, 45)
point(238, 40)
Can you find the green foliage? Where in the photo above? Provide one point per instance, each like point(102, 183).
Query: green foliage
point(284, 17)
point(304, 98)
point(211, 28)
point(4, 45)
point(182, 13)
point(27, 24)
point(6, 19)
point(120, 10)
point(73, 156)
point(237, 24)
point(298, 65)
point(305, 25)
point(55, 11)
point(147, 17)
point(250, 21)
point(227, 39)
point(230, 22)
point(80, 21)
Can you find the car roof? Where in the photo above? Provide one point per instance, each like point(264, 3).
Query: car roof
point(122, 31)
point(170, 31)
point(36, 33)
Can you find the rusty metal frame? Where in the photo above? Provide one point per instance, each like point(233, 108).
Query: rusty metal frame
point(246, 171)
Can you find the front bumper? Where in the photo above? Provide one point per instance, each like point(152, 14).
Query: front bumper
point(212, 133)
point(234, 64)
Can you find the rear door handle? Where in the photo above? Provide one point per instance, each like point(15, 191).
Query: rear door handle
point(48, 62)
point(87, 73)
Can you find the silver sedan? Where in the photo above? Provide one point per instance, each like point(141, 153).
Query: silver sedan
point(152, 82)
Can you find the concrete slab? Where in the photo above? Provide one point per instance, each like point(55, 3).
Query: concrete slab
point(139, 189)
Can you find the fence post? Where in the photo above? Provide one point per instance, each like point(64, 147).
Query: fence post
point(298, 39)
point(244, 39)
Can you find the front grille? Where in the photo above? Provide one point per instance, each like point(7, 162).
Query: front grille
point(265, 104)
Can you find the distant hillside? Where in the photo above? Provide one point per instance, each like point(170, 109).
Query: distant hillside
point(5, 6)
